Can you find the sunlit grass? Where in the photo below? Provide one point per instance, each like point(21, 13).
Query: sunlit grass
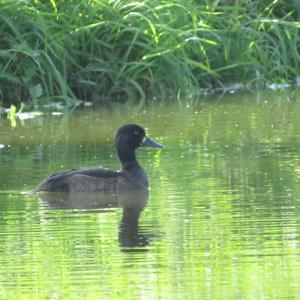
point(117, 51)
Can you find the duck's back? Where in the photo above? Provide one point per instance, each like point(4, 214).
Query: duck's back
point(92, 180)
point(83, 180)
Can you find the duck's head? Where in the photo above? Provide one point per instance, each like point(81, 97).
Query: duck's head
point(131, 136)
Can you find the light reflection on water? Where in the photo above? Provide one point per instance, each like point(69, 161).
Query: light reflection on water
point(221, 220)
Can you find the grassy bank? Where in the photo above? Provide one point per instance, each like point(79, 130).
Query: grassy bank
point(106, 51)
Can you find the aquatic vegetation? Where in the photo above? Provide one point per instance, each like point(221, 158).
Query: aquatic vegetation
point(13, 115)
point(116, 51)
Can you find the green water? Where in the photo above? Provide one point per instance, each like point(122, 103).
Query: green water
point(221, 221)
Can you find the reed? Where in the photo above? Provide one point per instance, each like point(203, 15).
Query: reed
point(118, 51)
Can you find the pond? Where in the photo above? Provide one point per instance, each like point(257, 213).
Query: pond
point(221, 219)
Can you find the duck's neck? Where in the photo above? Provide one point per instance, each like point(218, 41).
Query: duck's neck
point(134, 171)
point(128, 159)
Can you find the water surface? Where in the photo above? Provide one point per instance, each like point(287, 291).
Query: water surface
point(221, 221)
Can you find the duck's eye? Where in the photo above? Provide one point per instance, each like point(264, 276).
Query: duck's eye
point(136, 132)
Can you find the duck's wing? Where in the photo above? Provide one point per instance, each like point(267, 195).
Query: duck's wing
point(59, 182)
point(95, 172)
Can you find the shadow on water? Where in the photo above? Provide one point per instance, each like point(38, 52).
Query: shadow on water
point(132, 203)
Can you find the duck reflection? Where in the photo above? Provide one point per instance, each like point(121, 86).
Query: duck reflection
point(132, 203)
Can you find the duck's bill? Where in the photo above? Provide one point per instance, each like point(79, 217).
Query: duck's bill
point(147, 142)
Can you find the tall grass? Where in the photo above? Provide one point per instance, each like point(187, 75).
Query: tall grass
point(106, 51)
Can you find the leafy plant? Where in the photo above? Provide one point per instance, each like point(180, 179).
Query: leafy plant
point(117, 51)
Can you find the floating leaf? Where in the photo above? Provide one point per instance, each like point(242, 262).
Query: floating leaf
point(29, 115)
